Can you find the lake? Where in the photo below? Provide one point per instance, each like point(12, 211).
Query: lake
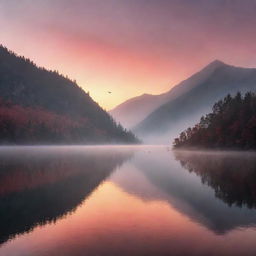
point(126, 200)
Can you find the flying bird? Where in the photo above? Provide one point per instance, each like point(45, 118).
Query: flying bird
point(109, 92)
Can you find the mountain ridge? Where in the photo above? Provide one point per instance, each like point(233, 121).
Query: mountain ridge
point(23, 83)
point(129, 115)
point(188, 107)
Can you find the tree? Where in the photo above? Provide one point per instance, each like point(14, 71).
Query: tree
point(232, 124)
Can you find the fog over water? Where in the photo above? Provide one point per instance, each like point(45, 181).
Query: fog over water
point(126, 200)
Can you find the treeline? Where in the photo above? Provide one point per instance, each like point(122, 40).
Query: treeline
point(47, 95)
point(38, 187)
point(26, 125)
point(231, 175)
point(232, 124)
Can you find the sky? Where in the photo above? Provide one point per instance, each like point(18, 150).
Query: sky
point(129, 47)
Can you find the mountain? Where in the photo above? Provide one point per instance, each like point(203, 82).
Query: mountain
point(211, 84)
point(232, 124)
point(41, 106)
point(133, 111)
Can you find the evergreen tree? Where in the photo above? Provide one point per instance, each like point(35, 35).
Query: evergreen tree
point(232, 124)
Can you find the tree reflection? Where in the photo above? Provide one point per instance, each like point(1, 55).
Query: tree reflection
point(232, 175)
point(40, 186)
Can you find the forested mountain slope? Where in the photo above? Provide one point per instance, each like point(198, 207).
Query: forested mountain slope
point(26, 87)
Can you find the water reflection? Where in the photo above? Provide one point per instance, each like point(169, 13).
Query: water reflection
point(230, 177)
point(40, 185)
point(156, 202)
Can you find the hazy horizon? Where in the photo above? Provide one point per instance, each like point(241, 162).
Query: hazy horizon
point(118, 47)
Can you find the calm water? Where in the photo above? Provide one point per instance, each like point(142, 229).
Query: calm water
point(126, 201)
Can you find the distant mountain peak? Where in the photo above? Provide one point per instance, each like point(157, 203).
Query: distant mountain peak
point(215, 64)
point(135, 111)
point(196, 96)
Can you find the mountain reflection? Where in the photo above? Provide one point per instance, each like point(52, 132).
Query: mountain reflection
point(231, 175)
point(230, 179)
point(40, 185)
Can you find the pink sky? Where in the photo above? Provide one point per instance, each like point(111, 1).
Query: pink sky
point(129, 47)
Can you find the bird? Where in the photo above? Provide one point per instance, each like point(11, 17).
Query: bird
point(109, 92)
